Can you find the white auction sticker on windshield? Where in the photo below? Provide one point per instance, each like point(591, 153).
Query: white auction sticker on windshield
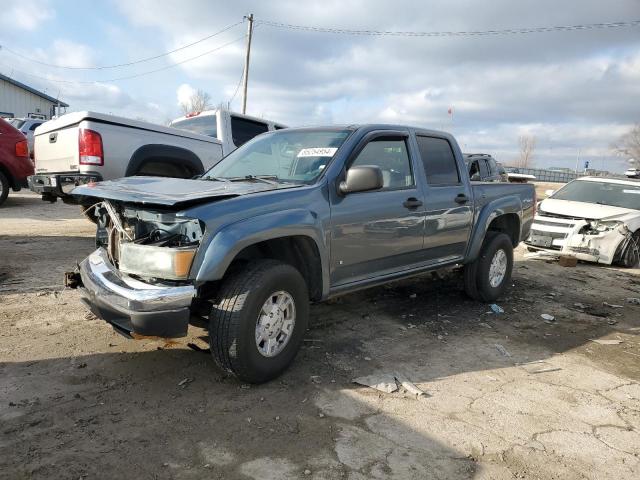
point(637, 192)
point(317, 152)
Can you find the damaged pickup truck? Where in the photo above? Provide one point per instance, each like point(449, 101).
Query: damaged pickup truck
point(293, 216)
point(594, 219)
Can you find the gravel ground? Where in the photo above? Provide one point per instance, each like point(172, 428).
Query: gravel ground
point(508, 395)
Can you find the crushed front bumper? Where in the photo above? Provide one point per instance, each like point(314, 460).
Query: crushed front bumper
point(132, 306)
point(563, 236)
point(59, 185)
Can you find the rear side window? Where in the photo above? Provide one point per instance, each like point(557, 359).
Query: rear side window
point(493, 167)
point(243, 130)
point(203, 125)
point(34, 126)
point(438, 160)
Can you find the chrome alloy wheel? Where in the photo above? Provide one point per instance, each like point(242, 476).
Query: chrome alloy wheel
point(498, 268)
point(275, 324)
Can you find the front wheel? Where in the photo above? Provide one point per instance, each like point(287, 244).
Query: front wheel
point(258, 323)
point(488, 276)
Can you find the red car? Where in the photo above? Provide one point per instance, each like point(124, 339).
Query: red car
point(15, 164)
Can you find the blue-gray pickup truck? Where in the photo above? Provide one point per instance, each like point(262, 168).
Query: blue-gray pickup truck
point(293, 216)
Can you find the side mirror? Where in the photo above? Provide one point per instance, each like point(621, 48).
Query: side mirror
point(361, 179)
point(475, 177)
point(548, 193)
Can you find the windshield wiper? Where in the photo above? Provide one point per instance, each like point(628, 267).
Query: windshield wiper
point(268, 179)
point(215, 179)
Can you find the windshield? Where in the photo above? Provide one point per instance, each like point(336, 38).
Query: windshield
point(603, 193)
point(16, 122)
point(205, 125)
point(297, 156)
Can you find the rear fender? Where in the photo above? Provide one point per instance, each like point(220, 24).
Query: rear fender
point(488, 213)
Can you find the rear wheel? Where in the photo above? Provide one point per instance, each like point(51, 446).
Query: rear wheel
point(4, 187)
point(489, 275)
point(258, 323)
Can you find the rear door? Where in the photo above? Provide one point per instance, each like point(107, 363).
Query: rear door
point(378, 232)
point(449, 203)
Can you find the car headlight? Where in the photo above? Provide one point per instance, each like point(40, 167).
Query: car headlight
point(606, 226)
point(159, 262)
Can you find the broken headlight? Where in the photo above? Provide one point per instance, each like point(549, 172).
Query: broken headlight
point(600, 226)
point(158, 262)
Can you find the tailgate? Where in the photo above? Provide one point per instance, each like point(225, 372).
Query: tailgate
point(57, 151)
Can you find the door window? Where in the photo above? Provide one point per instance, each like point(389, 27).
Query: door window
point(439, 161)
point(391, 156)
point(243, 129)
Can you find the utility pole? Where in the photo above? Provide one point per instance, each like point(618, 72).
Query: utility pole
point(245, 77)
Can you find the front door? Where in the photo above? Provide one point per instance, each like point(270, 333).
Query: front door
point(378, 232)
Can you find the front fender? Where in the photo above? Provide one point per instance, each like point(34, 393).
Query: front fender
point(488, 213)
point(225, 244)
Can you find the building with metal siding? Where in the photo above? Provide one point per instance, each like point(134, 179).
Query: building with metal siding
point(20, 100)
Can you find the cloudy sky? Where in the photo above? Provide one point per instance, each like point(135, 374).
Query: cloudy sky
point(575, 91)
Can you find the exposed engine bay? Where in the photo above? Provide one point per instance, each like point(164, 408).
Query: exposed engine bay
point(150, 244)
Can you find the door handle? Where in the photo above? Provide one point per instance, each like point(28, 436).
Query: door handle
point(412, 202)
point(461, 198)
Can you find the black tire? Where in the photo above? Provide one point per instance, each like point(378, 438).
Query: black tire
point(4, 187)
point(481, 288)
point(233, 319)
point(630, 256)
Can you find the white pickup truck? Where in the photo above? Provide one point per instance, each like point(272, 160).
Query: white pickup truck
point(84, 147)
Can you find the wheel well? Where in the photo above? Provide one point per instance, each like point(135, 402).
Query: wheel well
point(164, 167)
point(299, 251)
point(164, 160)
point(508, 223)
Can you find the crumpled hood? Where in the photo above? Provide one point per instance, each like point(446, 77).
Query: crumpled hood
point(588, 211)
point(170, 191)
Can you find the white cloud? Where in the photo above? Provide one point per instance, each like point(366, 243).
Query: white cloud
point(25, 15)
point(184, 93)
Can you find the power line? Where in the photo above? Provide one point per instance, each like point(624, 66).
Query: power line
point(467, 33)
point(128, 64)
point(80, 82)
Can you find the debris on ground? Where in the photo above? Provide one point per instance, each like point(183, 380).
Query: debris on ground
point(633, 300)
point(385, 382)
point(606, 342)
point(612, 305)
point(567, 261)
point(548, 318)
point(184, 382)
point(388, 383)
point(413, 295)
point(496, 308)
point(315, 379)
point(580, 305)
point(502, 350)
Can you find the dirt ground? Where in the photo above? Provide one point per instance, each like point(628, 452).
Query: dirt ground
point(508, 395)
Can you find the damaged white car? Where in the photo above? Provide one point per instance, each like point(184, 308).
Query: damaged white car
point(594, 219)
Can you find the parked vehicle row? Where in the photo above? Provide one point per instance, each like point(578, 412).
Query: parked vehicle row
point(293, 216)
point(15, 164)
point(84, 147)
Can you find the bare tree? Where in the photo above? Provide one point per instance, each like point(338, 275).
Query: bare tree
point(629, 145)
point(197, 102)
point(527, 147)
